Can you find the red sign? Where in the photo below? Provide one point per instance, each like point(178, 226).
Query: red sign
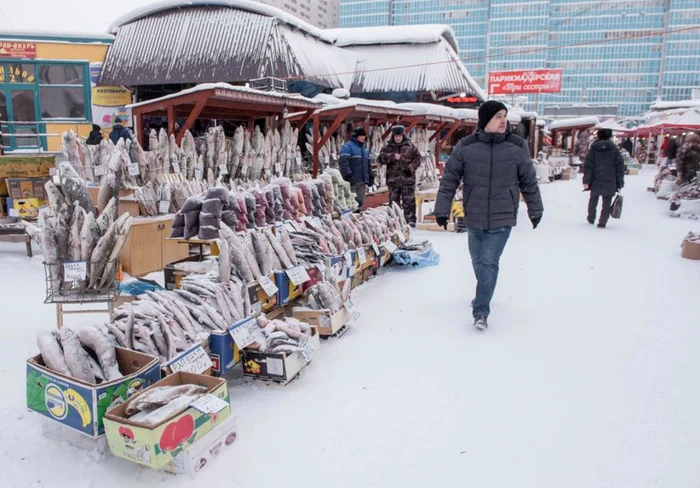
point(462, 100)
point(534, 81)
point(17, 49)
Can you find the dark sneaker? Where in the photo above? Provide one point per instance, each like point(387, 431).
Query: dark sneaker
point(591, 220)
point(481, 323)
point(601, 226)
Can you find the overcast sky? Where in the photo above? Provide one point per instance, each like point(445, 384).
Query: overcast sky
point(64, 16)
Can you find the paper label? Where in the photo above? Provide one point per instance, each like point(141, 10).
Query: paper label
point(355, 316)
point(197, 172)
point(275, 367)
point(348, 304)
point(244, 333)
point(375, 248)
point(164, 206)
point(402, 238)
point(223, 169)
point(306, 348)
point(349, 262)
point(244, 170)
point(321, 267)
point(176, 167)
point(209, 404)
point(134, 169)
point(268, 286)
point(195, 361)
point(390, 246)
point(99, 170)
point(362, 255)
point(278, 168)
point(52, 171)
point(76, 271)
point(298, 275)
point(57, 180)
point(14, 212)
point(298, 158)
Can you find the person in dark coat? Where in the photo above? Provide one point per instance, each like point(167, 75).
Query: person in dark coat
point(603, 175)
point(628, 146)
point(688, 161)
point(118, 132)
point(402, 159)
point(495, 167)
point(95, 136)
point(671, 151)
point(355, 165)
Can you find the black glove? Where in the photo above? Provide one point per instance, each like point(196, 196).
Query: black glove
point(442, 222)
point(535, 221)
point(371, 180)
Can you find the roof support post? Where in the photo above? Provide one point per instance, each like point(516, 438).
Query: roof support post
point(192, 117)
point(439, 140)
point(316, 133)
point(439, 129)
point(305, 118)
point(138, 115)
point(171, 118)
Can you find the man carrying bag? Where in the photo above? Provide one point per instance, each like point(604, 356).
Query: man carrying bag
point(604, 176)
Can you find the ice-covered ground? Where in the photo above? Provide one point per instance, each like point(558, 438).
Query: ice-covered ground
point(587, 377)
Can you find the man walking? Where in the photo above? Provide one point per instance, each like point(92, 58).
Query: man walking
point(118, 132)
point(603, 175)
point(355, 165)
point(495, 167)
point(402, 159)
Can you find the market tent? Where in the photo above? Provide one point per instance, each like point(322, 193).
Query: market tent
point(613, 125)
point(690, 120)
point(577, 123)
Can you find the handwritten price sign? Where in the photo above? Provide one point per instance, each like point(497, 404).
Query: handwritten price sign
point(195, 361)
point(76, 271)
point(298, 275)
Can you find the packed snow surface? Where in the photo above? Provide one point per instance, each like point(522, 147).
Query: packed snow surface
point(587, 376)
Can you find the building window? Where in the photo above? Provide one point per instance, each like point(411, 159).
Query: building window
point(61, 91)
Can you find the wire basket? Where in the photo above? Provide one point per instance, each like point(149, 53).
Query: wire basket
point(60, 290)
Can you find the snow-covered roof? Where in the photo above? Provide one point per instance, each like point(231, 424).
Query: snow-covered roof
point(429, 109)
point(333, 103)
point(466, 114)
point(661, 105)
point(611, 124)
point(577, 122)
point(228, 87)
point(522, 113)
point(43, 35)
point(395, 34)
point(541, 123)
point(690, 119)
point(513, 117)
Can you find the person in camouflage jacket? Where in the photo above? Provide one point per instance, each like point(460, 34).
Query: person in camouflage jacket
point(402, 159)
point(688, 159)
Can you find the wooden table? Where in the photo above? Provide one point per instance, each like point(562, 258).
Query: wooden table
point(16, 233)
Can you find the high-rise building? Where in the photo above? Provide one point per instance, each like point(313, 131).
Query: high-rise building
point(621, 54)
point(321, 13)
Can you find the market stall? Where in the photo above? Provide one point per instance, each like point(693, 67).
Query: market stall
point(566, 135)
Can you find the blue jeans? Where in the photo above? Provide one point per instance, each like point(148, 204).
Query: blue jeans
point(485, 248)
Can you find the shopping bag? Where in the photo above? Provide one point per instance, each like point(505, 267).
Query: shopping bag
point(616, 211)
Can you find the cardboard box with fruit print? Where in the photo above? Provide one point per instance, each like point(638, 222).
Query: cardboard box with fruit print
point(81, 405)
point(156, 446)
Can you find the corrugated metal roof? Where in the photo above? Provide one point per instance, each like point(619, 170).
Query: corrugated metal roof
point(412, 67)
point(208, 44)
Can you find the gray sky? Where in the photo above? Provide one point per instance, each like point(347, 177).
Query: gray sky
point(90, 16)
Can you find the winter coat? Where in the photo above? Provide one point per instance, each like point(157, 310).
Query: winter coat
point(354, 163)
point(688, 161)
point(604, 170)
point(672, 149)
point(495, 169)
point(94, 138)
point(118, 131)
point(400, 172)
point(628, 145)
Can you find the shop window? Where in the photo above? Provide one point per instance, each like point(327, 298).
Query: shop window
point(23, 105)
point(61, 74)
point(62, 102)
point(17, 73)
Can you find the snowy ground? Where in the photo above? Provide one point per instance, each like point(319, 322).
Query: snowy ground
point(587, 377)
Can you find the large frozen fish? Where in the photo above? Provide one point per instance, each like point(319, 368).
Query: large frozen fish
point(55, 197)
point(74, 240)
point(167, 411)
point(89, 236)
point(51, 352)
point(103, 250)
point(74, 187)
point(161, 395)
point(76, 357)
point(122, 232)
point(93, 338)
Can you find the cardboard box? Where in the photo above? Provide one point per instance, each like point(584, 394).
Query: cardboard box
point(20, 188)
point(281, 367)
point(223, 352)
point(327, 324)
point(28, 208)
point(287, 291)
point(166, 369)
point(357, 280)
point(201, 454)
point(3, 207)
point(4, 191)
point(259, 301)
point(156, 446)
point(174, 276)
point(26, 166)
point(690, 249)
point(80, 405)
point(316, 276)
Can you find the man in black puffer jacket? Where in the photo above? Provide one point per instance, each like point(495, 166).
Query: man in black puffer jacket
point(603, 175)
point(495, 167)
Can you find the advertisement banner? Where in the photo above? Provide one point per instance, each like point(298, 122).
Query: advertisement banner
point(17, 50)
point(532, 81)
point(108, 102)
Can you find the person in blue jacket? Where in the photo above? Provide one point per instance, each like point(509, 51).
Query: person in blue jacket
point(118, 131)
point(355, 165)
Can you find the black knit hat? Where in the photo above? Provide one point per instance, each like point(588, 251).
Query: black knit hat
point(488, 110)
point(360, 131)
point(398, 129)
point(604, 133)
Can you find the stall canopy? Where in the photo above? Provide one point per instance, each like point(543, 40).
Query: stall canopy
point(578, 123)
point(613, 125)
point(222, 101)
point(689, 120)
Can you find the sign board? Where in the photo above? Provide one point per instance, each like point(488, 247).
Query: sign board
point(245, 333)
point(268, 286)
point(76, 271)
point(298, 275)
point(18, 50)
point(111, 96)
point(533, 81)
point(196, 361)
point(134, 169)
point(164, 206)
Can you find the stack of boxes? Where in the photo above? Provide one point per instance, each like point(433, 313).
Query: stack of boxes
point(22, 180)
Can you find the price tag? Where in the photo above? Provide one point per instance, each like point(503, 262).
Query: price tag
point(245, 332)
point(100, 171)
point(326, 159)
point(348, 304)
point(375, 248)
point(57, 180)
point(223, 169)
point(14, 212)
point(209, 404)
point(194, 360)
point(390, 246)
point(349, 262)
point(298, 159)
point(362, 255)
point(298, 275)
point(134, 169)
point(52, 171)
point(275, 367)
point(197, 172)
point(268, 286)
point(402, 238)
point(244, 170)
point(278, 168)
point(164, 206)
point(76, 271)
point(306, 348)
